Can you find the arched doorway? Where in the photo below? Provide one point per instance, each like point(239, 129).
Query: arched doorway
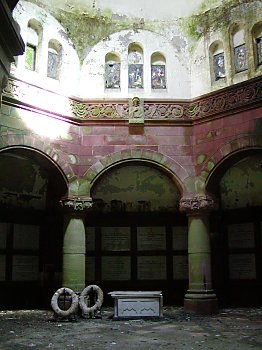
point(136, 237)
point(236, 229)
point(31, 228)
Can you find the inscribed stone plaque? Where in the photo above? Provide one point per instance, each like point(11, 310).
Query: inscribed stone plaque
point(2, 267)
point(180, 267)
point(90, 238)
point(151, 238)
point(151, 267)
point(241, 235)
point(26, 237)
point(116, 268)
point(3, 234)
point(242, 266)
point(180, 237)
point(25, 268)
point(115, 238)
point(90, 268)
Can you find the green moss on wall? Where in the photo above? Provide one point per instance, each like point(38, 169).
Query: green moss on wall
point(214, 16)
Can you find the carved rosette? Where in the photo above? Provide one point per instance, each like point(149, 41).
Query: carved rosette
point(197, 204)
point(77, 204)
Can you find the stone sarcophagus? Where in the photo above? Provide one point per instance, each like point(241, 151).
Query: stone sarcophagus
point(137, 304)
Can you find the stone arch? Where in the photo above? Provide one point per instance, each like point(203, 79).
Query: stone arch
point(226, 155)
point(173, 169)
point(60, 160)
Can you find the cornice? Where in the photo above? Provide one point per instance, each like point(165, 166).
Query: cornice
point(236, 98)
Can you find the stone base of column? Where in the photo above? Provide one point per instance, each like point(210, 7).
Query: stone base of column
point(205, 304)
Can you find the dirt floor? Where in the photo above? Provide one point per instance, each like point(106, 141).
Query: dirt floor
point(231, 329)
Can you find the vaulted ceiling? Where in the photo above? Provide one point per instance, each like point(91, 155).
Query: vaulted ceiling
point(152, 9)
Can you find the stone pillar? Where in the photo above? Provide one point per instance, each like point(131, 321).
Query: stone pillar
point(74, 242)
point(200, 297)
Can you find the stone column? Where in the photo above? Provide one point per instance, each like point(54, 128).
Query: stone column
point(74, 242)
point(200, 297)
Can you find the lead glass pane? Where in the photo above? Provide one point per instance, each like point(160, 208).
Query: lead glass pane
point(53, 65)
point(259, 50)
point(158, 76)
point(219, 66)
point(30, 57)
point(135, 76)
point(240, 58)
point(112, 75)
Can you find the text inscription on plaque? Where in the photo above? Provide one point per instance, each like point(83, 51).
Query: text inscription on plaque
point(242, 266)
point(241, 235)
point(151, 238)
point(180, 267)
point(115, 238)
point(151, 267)
point(179, 237)
point(116, 268)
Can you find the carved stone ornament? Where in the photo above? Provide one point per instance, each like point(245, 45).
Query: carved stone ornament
point(198, 203)
point(77, 203)
point(136, 111)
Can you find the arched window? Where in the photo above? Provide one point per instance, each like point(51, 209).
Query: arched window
point(240, 50)
point(217, 60)
point(32, 45)
point(112, 71)
point(158, 71)
point(54, 59)
point(135, 66)
point(257, 37)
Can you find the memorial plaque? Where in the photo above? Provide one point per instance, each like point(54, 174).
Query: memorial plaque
point(151, 238)
point(3, 234)
point(116, 268)
point(180, 237)
point(2, 267)
point(242, 266)
point(115, 238)
point(90, 238)
point(180, 267)
point(90, 268)
point(25, 268)
point(151, 267)
point(241, 235)
point(26, 237)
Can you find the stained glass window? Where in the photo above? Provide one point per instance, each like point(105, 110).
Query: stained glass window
point(112, 75)
point(135, 67)
point(158, 76)
point(219, 66)
point(135, 76)
point(259, 50)
point(53, 64)
point(30, 57)
point(240, 58)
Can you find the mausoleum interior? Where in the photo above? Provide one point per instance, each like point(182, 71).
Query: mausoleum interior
point(131, 150)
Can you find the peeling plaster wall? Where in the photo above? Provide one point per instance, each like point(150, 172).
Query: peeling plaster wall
point(92, 75)
point(51, 29)
point(241, 186)
point(87, 34)
point(136, 188)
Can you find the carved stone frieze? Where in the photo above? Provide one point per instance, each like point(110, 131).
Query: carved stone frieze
point(226, 101)
point(77, 203)
point(197, 203)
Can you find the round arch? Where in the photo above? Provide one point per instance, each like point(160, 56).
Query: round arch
point(47, 150)
point(169, 166)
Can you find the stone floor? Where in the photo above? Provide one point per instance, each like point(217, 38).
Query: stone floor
point(231, 329)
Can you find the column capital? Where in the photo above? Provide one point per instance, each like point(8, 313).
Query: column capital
point(197, 203)
point(77, 203)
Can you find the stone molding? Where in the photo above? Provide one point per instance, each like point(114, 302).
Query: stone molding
point(230, 100)
point(197, 204)
point(77, 204)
